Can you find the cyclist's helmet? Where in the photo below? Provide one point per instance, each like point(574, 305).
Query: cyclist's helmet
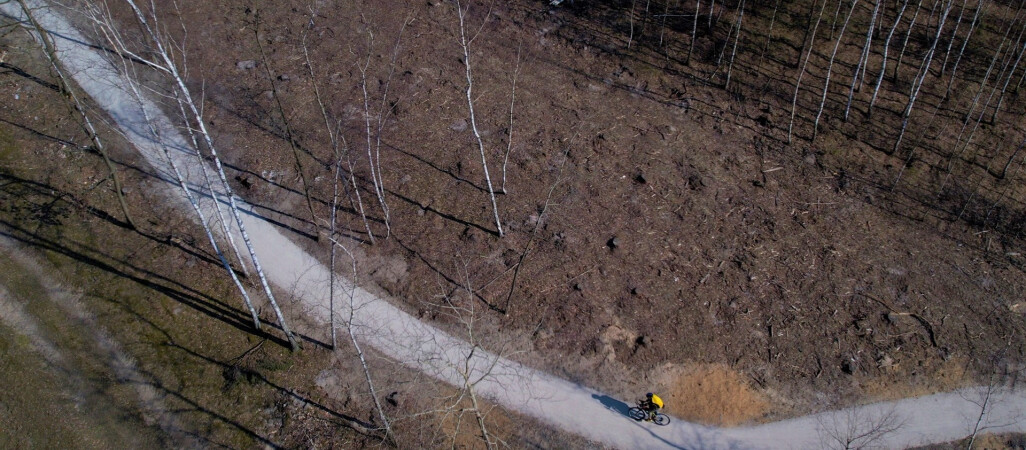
point(648, 395)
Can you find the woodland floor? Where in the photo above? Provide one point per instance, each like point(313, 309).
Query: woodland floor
point(660, 233)
point(668, 229)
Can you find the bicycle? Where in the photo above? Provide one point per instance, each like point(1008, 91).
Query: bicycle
point(639, 414)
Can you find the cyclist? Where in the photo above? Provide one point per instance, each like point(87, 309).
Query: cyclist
point(651, 404)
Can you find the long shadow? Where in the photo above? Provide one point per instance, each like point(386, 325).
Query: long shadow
point(273, 132)
point(251, 375)
point(62, 36)
point(612, 404)
point(21, 73)
point(435, 166)
point(42, 135)
point(195, 406)
point(622, 408)
point(442, 214)
point(207, 305)
point(445, 276)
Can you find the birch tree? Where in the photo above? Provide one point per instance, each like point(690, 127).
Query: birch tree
point(883, 61)
point(737, 37)
point(965, 42)
point(68, 90)
point(465, 43)
point(694, 32)
point(904, 42)
point(351, 328)
point(341, 151)
point(924, 70)
point(161, 47)
point(954, 34)
point(859, 74)
point(131, 76)
point(801, 73)
point(830, 68)
point(290, 135)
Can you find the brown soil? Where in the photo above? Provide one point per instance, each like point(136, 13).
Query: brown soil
point(712, 394)
point(641, 228)
point(651, 217)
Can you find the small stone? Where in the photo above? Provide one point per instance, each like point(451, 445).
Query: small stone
point(643, 341)
point(459, 126)
point(284, 77)
point(848, 367)
point(246, 65)
point(613, 242)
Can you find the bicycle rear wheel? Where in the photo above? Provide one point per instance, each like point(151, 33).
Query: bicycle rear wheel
point(662, 419)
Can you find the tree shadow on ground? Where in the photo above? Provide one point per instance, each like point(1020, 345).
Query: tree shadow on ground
point(36, 206)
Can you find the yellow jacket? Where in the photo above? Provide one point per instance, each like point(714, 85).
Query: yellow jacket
point(657, 401)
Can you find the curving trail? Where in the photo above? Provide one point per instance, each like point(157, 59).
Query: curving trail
point(931, 419)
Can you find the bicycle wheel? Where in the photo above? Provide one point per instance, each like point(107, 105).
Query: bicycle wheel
point(662, 419)
point(636, 413)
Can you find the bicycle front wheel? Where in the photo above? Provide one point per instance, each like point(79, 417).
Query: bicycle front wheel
point(636, 413)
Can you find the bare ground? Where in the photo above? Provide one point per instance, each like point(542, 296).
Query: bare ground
point(655, 225)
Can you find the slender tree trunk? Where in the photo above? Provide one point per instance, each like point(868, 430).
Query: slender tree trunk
point(289, 135)
point(830, 68)
point(172, 70)
point(769, 34)
point(130, 75)
point(333, 253)
point(801, 73)
point(837, 14)
point(923, 72)
point(376, 179)
point(630, 16)
point(509, 137)
point(712, 5)
point(972, 106)
point(969, 34)
point(857, 77)
point(954, 34)
point(737, 37)
point(351, 328)
point(904, 42)
point(473, 120)
point(694, 33)
point(334, 137)
point(883, 62)
point(807, 29)
point(69, 91)
point(1008, 79)
point(869, 43)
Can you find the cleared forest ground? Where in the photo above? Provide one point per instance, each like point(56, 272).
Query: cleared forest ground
point(655, 221)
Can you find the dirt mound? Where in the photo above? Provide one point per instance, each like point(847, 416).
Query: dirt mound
point(712, 394)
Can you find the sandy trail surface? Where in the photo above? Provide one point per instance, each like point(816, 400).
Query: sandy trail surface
point(563, 404)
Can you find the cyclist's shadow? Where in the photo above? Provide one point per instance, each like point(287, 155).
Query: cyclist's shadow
point(612, 404)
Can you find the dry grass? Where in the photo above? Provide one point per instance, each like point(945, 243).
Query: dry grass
point(943, 376)
point(712, 394)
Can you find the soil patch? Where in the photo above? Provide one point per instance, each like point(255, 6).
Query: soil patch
point(712, 394)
